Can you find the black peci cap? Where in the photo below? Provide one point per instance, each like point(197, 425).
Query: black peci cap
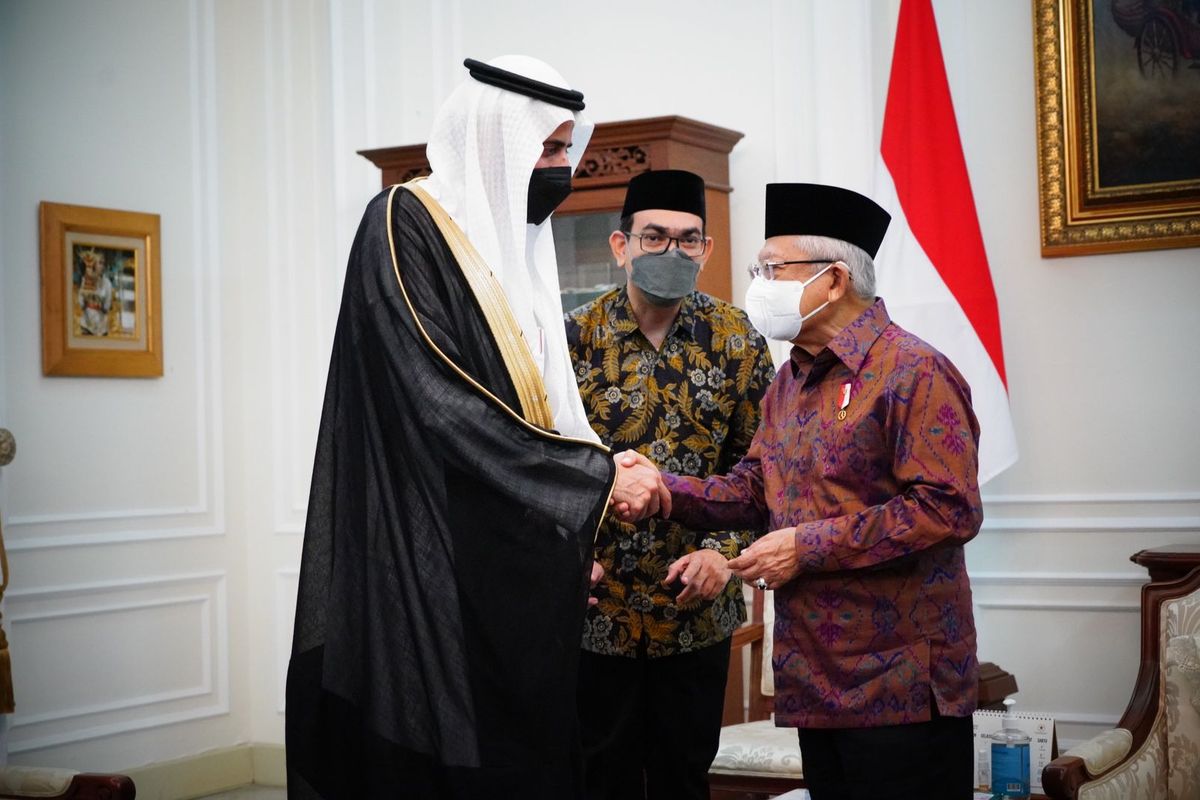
point(669, 189)
point(813, 209)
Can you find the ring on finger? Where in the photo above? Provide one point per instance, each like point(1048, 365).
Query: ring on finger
point(761, 584)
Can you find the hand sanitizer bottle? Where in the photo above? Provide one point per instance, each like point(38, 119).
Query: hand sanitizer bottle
point(1010, 759)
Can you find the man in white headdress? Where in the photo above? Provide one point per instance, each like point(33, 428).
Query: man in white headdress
point(457, 487)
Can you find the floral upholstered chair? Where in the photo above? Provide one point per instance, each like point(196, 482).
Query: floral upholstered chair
point(1154, 753)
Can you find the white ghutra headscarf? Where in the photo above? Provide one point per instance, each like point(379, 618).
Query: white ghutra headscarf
point(483, 149)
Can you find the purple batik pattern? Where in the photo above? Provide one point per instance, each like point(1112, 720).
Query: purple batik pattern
point(879, 619)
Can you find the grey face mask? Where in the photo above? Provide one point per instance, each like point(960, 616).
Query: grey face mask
point(665, 278)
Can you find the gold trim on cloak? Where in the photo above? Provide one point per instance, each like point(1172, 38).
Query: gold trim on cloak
point(483, 302)
point(535, 405)
point(451, 231)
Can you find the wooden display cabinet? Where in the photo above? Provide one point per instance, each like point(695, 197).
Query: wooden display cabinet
point(617, 151)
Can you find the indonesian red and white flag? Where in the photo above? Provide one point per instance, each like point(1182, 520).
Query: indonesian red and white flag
point(933, 271)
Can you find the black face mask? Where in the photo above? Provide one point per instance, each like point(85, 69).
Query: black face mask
point(548, 187)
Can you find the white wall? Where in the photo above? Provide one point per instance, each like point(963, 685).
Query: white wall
point(239, 125)
point(124, 567)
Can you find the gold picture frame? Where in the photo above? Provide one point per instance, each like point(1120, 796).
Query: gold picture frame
point(101, 292)
point(1118, 168)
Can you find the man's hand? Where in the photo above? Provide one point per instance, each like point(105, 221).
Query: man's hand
point(771, 557)
point(639, 491)
point(597, 574)
point(703, 573)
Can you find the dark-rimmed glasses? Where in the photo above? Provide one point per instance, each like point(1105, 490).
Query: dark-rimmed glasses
point(655, 242)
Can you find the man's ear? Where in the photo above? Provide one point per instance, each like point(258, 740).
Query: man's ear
point(618, 242)
point(841, 281)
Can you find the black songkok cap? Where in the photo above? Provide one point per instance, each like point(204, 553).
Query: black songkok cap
point(668, 189)
point(812, 209)
point(513, 82)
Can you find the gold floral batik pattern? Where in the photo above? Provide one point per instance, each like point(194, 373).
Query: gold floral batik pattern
point(691, 407)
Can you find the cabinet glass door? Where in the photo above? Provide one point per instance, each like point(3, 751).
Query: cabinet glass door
point(586, 268)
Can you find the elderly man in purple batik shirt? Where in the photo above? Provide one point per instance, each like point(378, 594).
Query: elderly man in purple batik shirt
point(864, 472)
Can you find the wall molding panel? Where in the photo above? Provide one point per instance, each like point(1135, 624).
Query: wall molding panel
point(446, 52)
point(204, 687)
point(1016, 578)
point(299, 182)
point(1133, 525)
point(1084, 718)
point(1113, 512)
point(287, 583)
point(206, 273)
point(115, 618)
point(1035, 605)
point(1099, 498)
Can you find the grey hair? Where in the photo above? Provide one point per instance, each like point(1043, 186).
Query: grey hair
point(861, 265)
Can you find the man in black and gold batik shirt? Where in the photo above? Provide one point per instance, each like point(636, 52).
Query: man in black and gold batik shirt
point(676, 375)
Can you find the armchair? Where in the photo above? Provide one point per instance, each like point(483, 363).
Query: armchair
point(1154, 752)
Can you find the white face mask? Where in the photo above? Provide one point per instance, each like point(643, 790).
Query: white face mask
point(774, 306)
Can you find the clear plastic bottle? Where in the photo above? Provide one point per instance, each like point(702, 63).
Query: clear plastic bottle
point(1010, 759)
point(984, 758)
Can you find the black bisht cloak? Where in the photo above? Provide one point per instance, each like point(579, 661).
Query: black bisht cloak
point(443, 582)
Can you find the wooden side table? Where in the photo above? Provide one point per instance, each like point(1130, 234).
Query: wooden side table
point(995, 684)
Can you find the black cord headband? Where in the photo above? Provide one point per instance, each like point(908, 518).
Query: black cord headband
point(512, 82)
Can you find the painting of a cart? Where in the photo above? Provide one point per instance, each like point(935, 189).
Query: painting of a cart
point(1118, 113)
point(1166, 33)
point(1145, 97)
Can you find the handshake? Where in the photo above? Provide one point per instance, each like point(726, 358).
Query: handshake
point(639, 491)
point(769, 563)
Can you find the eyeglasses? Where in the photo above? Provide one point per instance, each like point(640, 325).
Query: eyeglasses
point(769, 269)
point(654, 242)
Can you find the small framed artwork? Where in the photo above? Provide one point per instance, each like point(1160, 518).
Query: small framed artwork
point(101, 292)
point(1118, 121)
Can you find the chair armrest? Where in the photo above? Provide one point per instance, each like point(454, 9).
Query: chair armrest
point(746, 634)
point(1103, 752)
point(34, 781)
point(750, 636)
point(96, 786)
point(26, 783)
point(1063, 776)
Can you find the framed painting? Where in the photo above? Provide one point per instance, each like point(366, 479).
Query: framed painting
point(101, 293)
point(1118, 122)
